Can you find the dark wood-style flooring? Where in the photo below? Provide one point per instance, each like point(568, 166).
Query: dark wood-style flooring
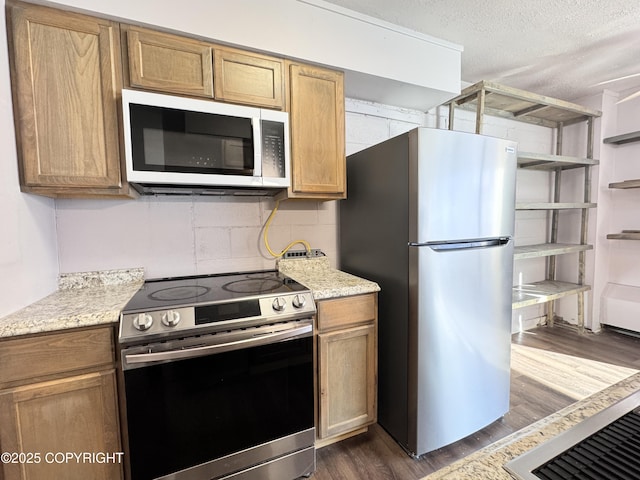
point(376, 456)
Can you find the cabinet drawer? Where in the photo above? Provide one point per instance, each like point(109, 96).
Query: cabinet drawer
point(26, 359)
point(346, 311)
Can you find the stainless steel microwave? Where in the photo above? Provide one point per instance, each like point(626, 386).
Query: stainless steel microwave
point(176, 145)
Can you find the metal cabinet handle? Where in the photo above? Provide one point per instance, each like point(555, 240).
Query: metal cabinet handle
point(253, 341)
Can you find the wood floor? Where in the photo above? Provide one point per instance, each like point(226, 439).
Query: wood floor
point(376, 456)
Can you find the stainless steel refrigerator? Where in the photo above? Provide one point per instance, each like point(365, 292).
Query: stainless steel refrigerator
point(430, 216)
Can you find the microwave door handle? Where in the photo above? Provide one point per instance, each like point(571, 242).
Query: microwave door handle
point(256, 125)
point(264, 339)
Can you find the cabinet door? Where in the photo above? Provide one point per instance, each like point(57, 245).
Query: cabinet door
point(249, 79)
point(75, 415)
point(347, 380)
point(316, 107)
point(169, 63)
point(66, 76)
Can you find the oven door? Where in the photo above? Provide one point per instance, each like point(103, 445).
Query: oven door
point(206, 407)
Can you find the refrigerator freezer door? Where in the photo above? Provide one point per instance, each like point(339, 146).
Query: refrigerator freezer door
point(461, 186)
point(460, 340)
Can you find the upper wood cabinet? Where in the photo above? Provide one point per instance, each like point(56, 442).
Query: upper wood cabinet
point(168, 63)
point(175, 64)
point(66, 76)
point(315, 102)
point(248, 78)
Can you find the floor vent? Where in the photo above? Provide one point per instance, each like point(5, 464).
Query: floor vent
point(605, 446)
point(611, 453)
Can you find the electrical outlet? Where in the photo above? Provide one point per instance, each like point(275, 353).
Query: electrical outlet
point(313, 253)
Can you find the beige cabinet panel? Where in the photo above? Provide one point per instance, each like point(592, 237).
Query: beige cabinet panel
point(31, 359)
point(247, 78)
point(346, 311)
point(169, 63)
point(77, 414)
point(347, 367)
point(347, 380)
point(58, 394)
point(66, 76)
point(316, 108)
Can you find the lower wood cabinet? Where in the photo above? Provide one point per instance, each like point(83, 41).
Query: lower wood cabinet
point(347, 366)
point(59, 415)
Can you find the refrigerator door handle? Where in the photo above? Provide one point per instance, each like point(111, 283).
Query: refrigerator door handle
point(440, 247)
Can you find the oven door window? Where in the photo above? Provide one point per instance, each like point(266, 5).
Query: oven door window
point(185, 413)
point(170, 140)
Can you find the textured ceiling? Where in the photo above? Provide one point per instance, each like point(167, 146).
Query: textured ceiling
point(560, 48)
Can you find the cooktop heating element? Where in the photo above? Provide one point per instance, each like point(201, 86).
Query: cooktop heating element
point(173, 307)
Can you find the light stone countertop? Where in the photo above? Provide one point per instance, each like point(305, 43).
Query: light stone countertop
point(323, 280)
point(487, 463)
point(95, 298)
point(82, 300)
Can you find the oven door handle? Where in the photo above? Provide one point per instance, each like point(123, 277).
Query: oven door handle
point(253, 341)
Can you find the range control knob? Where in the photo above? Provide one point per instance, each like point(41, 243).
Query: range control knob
point(171, 318)
point(142, 321)
point(279, 304)
point(299, 301)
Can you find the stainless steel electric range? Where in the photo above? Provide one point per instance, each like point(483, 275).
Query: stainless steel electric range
point(217, 378)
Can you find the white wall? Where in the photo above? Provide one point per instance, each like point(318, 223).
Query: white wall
point(383, 62)
point(368, 124)
point(28, 262)
point(618, 261)
point(604, 197)
point(624, 260)
point(171, 236)
point(183, 236)
point(195, 235)
point(214, 235)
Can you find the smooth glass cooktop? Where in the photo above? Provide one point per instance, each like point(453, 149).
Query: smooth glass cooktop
point(188, 291)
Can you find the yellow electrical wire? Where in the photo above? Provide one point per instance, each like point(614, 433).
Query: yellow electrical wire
point(306, 244)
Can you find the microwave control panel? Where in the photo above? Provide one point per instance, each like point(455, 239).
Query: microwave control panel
point(273, 149)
